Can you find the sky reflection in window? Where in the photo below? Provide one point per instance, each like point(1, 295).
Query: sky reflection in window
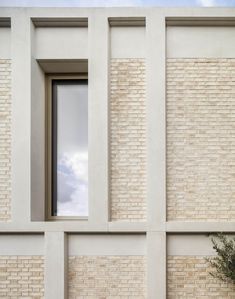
point(72, 150)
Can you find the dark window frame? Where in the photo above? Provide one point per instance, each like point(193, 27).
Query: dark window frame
point(51, 141)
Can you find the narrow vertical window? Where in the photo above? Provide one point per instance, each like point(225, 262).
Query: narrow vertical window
point(69, 148)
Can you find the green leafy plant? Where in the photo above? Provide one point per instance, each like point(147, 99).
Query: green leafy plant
point(224, 262)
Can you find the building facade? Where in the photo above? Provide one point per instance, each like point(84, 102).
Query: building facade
point(156, 129)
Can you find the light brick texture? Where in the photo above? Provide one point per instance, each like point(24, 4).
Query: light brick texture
point(99, 277)
point(188, 277)
point(201, 139)
point(21, 277)
point(128, 140)
point(5, 140)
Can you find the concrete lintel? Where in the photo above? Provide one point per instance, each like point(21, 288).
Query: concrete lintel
point(132, 37)
point(186, 41)
point(107, 244)
point(55, 265)
point(21, 244)
point(64, 66)
point(61, 43)
point(189, 244)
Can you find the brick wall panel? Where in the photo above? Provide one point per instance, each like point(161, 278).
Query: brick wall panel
point(188, 277)
point(107, 277)
point(201, 139)
point(5, 140)
point(128, 139)
point(21, 277)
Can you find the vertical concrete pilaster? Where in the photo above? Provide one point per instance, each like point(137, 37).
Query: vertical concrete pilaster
point(21, 105)
point(156, 128)
point(98, 33)
point(156, 265)
point(155, 31)
point(55, 265)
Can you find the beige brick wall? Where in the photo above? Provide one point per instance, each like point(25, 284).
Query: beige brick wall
point(201, 139)
point(21, 277)
point(99, 277)
point(188, 277)
point(5, 139)
point(128, 139)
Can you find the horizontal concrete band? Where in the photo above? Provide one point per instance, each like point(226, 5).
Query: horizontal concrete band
point(190, 245)
point(72, 43)
point(61, 43)
point(102, 245)
point(186, 42)
point(117, 227)
point(99, 245)
point(22, 244)
point(5, 43)
point(107, 245)
point(129, 42)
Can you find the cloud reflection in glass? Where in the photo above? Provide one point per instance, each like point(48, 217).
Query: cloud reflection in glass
point(73, 185)
point(72, 149)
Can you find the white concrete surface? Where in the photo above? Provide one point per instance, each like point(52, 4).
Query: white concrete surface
point(156, 122)
point(200, 42)
point(156, 265)
point(116, 244)
point(55, 265)
point(61, 43)
point(128, 42)
point(22, 244)
point(5, 43)
point(21, 117)
point(98, 120)
point(190, 245)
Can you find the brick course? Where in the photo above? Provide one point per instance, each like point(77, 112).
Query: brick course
point(99, 277)
point(5, 140)
point(188, 277)
point(201, 139)
point(128, 139)
point(21, 277)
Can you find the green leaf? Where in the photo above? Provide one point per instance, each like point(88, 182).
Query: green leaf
point(223, 263)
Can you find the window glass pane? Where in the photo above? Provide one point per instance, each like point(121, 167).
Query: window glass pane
point(72, 149)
